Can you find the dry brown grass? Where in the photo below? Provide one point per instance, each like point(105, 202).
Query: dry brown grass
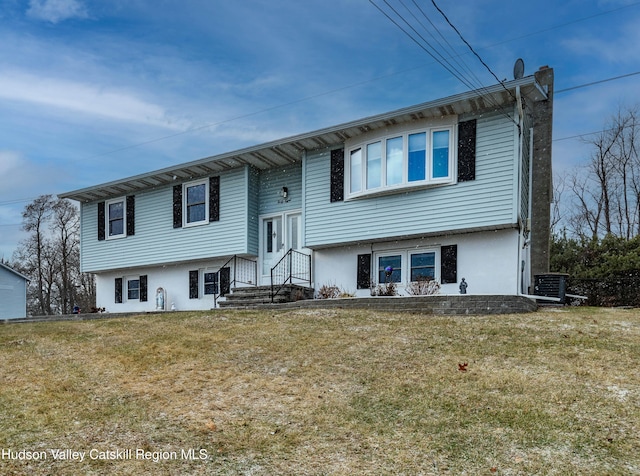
point(327, 392)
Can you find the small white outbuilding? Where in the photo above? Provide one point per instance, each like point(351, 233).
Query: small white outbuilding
point(13, 293)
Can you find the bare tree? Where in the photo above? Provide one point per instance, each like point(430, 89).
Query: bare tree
point(557, 213)
point(584, 221)
point(50, 255)
point(66, 228)
point(35, 217)
point(605, 194)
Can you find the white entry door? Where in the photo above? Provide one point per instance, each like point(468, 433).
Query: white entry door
point(272, 243)
point(279, 233)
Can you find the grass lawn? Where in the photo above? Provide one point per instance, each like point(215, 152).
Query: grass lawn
point(328, 392)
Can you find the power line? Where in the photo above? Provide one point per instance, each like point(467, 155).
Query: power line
point(454, 55)
point(562, 25)
point(471, 47)
point(353, 85)
point(586, 85)
point(315, 96)
point(428, 48)
point(18, 200)
point(442, 57)
point(596, 82)
point(452, 71)
point(580, 136)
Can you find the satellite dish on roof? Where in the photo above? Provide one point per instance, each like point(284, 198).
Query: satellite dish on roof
point(518, 69)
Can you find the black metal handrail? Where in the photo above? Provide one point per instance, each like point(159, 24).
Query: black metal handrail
point(245, 271)
point(294, 265)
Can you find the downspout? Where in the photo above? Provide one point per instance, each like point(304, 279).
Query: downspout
point(521, 242)
point(530, 210)
point(303, 221)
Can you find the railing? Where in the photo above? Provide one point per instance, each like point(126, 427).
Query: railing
point(241, 271)
point(293, 267)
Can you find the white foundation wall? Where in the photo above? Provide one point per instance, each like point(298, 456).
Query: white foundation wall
point(489, 262)
point(174, 279)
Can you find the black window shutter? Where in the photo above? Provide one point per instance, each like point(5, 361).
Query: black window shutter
point(118, 294)
point(364, 271)
point(467, 151)
point(214, 199)
point(337, 176)
point(225, 281)
point(177, 206)
point(143, 288)
point(449, 264)
point(131, 215)
point(193, 284)
point(101, 221)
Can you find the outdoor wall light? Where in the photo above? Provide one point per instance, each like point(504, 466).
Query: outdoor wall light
point(283, 193)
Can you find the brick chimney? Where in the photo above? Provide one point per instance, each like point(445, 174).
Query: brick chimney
point(542, 177)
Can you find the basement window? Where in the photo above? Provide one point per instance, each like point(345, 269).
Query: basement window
point(133, 289)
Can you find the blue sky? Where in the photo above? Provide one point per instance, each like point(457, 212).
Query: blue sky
point(92, 91)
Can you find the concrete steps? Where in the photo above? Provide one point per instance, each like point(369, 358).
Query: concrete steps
point(253, 296)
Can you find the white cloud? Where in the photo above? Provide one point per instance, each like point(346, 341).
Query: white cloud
point(55, 11)
point(615, 3)
point(85, 98)
point(25, 178)
point(9, 161)
point(616, 47)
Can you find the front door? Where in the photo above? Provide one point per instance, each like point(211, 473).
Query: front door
point(279, 233)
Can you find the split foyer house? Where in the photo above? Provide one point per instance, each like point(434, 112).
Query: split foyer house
point(456, 187)
point(13, 293)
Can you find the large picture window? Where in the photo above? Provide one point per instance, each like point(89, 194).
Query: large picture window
point(407, 160)
point(408, 266)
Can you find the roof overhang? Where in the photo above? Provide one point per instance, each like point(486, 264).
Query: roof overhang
point(289, 150)
point(4, 266)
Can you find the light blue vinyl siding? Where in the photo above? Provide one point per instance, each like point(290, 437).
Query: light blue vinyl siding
point(271, 183)
point(157, 242)
point(486, 201)
point(253, 225)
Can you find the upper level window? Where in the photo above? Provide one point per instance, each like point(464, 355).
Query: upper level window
point(411, 159)
point(116, 218)
point(196, 203)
